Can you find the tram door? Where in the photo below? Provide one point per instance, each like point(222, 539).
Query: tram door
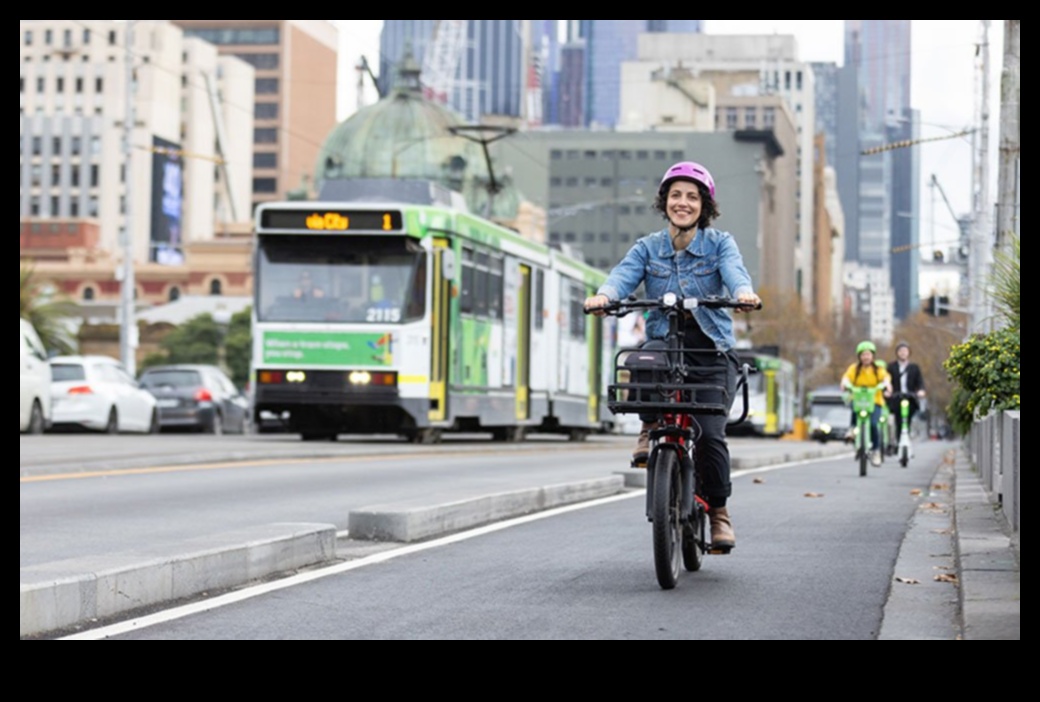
point(523, 343)
point(440, 296)
point(595, 339)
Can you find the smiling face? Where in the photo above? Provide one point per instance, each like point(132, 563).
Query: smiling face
point(866, 357)
point(683, 204)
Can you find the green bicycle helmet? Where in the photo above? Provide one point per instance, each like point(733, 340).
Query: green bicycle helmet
point(866, 346)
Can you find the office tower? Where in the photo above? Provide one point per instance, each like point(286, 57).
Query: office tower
point(608, 43)
point(296, 84)
point(491, 76)
point(885, 233)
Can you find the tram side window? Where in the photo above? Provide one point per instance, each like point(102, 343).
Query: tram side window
point(495, 292)
point(577, 313)
point(480, 288)
point(466, 299)
point(539, 298)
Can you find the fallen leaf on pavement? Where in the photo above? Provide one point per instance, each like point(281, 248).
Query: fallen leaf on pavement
point(946, 578)
point(908, 581)
point(813, 494)
point(758, 480)
point(915, 491)
point(940, 486)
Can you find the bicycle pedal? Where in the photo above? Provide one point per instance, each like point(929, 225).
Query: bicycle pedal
point(720, 550)
point(637, 464)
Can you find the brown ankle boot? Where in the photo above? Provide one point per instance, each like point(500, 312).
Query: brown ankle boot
point(722, 536)
point(642, 451)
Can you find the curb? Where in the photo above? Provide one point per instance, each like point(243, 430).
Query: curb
point(78, 591)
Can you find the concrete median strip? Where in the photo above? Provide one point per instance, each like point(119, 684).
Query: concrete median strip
point(77, 591)
point(412, 521)
point(65, 593)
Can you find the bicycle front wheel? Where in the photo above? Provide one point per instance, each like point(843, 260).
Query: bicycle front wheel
point(665, 512)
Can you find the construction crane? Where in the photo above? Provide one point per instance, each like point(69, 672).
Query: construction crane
point(962, 250)
point(363, 68)
point(441, 60)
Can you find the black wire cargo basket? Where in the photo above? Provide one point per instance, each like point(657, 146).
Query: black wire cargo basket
point(645, 382)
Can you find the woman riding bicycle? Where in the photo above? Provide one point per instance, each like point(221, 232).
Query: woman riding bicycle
point(867, 373)
point(691, 259)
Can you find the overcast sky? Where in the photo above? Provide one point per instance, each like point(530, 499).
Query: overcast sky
point(943, 85)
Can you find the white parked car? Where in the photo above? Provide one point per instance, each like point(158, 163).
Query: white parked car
point(96, 392)
point(34, 383)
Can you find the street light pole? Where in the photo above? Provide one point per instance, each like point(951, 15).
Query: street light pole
point(127, 317)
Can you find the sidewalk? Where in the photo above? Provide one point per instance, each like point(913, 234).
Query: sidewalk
point(988, 560)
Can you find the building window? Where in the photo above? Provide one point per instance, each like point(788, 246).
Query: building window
point(266, 86)
point(98, 84)
point(40, 85)
point(265, 110)
point(175, 292)
point(88, 293)
point(86, 37)
point(215, 287)
point(265, 160)
point(731, 118)
point(261, 61)
point(265, 135)
point(28, 38)
point(112, 38)
point(750, 117)
point(768, 117)
point(265, 185)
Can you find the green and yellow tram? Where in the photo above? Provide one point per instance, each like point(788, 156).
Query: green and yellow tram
point(421, 319)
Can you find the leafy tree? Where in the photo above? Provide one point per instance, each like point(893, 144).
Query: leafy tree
point(238, 346)
point(199, 340)
point(46, 312)
point(987, 369)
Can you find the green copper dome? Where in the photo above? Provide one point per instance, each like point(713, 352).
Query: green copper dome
point(404, 135)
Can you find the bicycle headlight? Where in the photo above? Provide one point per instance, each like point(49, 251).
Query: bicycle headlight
point(669, 299)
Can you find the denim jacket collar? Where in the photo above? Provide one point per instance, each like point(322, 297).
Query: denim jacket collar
point(667, 250)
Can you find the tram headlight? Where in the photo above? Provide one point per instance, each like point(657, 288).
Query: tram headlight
point(295, 377)
point(383, 379)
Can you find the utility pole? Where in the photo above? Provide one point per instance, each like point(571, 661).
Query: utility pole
point(128, 316)
point(1009, 166)
point(981, 253)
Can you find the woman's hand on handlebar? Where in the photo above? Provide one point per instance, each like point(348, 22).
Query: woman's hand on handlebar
point(596, 305)
point(753, 301)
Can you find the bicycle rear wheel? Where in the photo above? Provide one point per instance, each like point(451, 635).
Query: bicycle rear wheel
point(904, 456)
point(693, 538)
point(665, 513)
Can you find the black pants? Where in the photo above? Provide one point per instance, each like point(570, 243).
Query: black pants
point(712, 449)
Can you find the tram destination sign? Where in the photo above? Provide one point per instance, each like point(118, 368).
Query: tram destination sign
point(323, 220)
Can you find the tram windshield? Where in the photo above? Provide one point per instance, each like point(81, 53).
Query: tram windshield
point(340, 279)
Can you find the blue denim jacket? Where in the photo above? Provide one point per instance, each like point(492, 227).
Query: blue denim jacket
point(710, 265)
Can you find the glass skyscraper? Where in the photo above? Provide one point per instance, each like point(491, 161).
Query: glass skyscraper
point(490, 75)
point(887, 209)
point(607, 44)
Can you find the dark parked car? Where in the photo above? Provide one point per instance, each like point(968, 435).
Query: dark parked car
point(194, 396)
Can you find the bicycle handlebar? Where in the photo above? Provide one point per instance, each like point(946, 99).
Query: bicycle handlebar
point(670, 302)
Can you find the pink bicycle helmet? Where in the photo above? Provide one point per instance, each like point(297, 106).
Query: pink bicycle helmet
point(691, 171)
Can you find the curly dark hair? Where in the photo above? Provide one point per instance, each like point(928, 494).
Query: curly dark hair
point(709, 208)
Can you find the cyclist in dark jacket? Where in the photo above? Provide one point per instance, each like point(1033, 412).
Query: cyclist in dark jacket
point(906, 378)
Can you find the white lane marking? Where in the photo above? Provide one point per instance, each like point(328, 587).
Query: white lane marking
point(293, 580)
